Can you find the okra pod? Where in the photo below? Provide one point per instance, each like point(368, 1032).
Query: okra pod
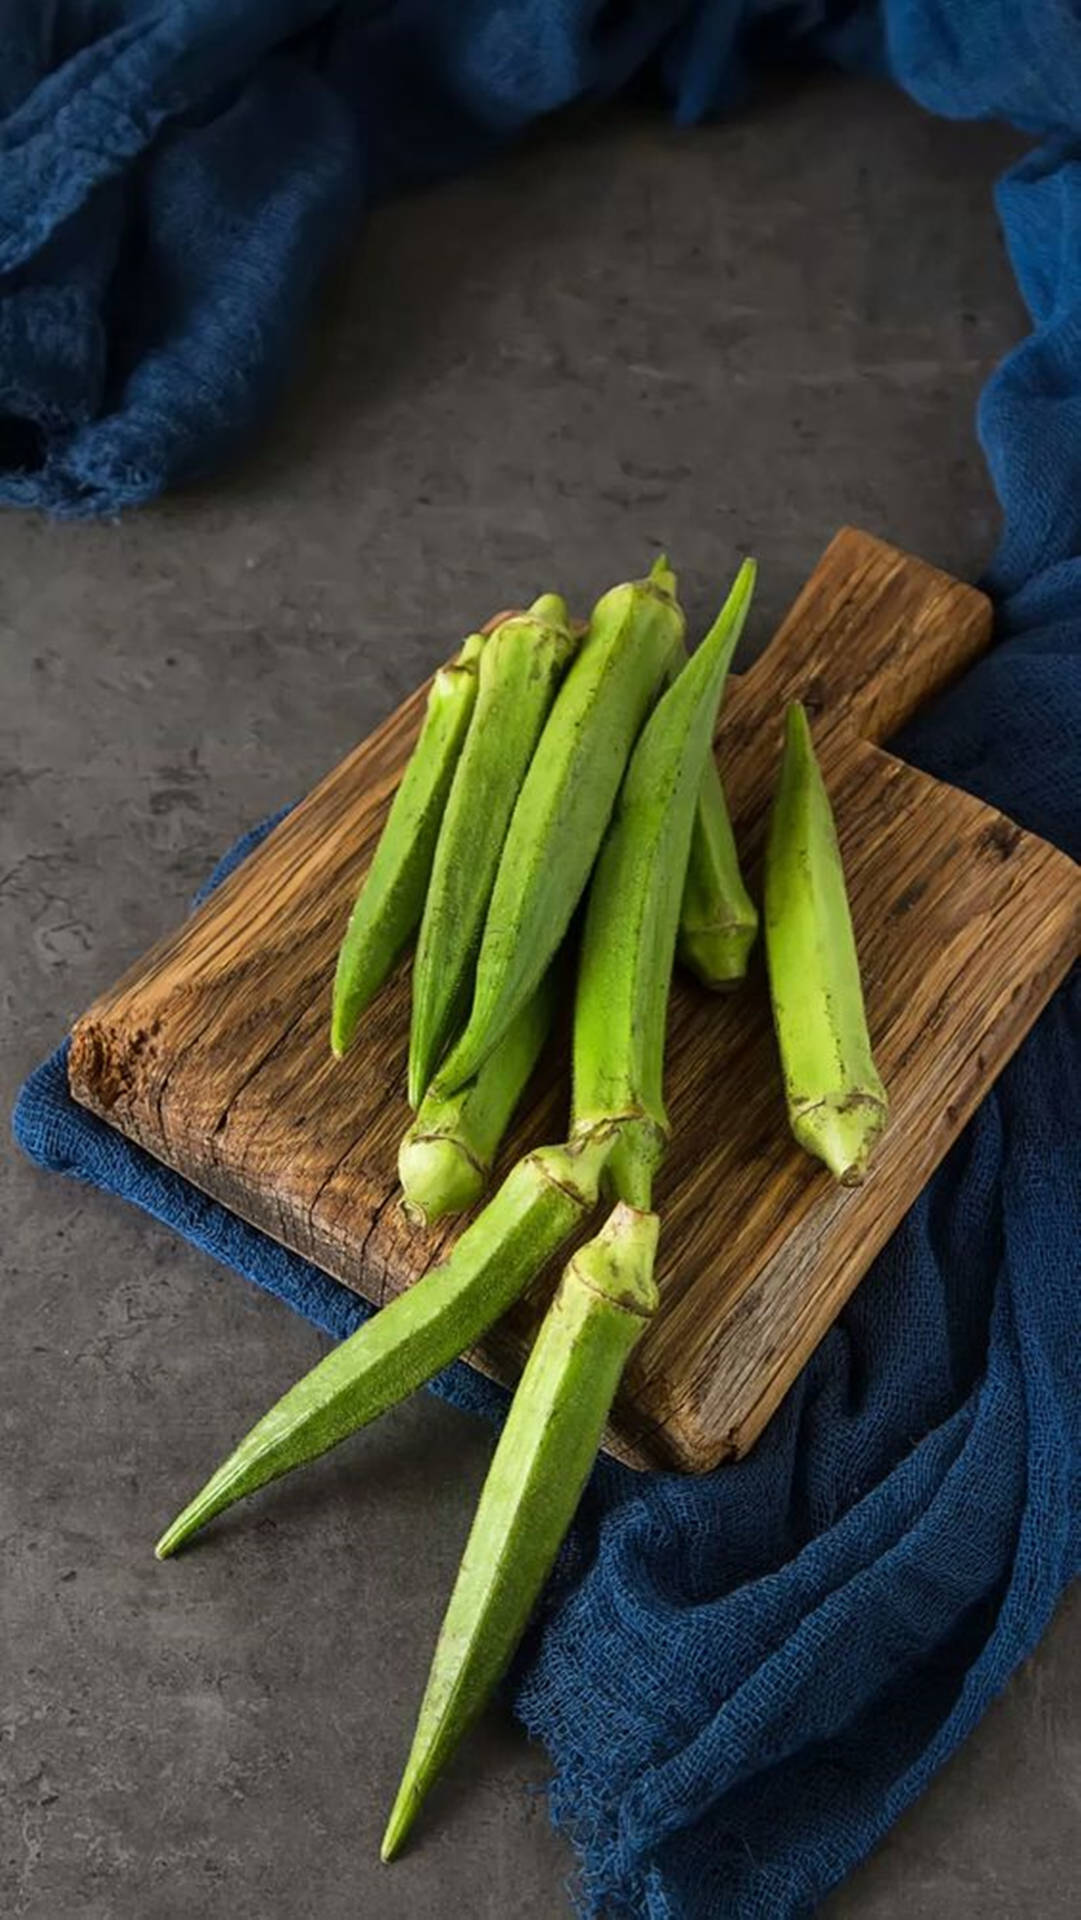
point(540, 1466)
point(608, 1291)
point(836, 1101)
point(519, 673)
point(391, 899)
point(718, 920)
point(544, 1198)
point(446, 1156)
point(565, 804)
point(632, 915)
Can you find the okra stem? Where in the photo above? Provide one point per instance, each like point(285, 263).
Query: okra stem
point(540, 1466)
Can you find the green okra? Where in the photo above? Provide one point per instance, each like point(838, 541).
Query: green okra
point(391, 899)
point(520, 669)
point(836, 1101)
point(544, 1198)
point(718, 920)
point(632, 914)
point(608, 1291)
point(446, 1156)
point(565, 804)
point(540, 1466)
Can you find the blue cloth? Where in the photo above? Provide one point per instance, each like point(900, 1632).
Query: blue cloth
point(742, 1679)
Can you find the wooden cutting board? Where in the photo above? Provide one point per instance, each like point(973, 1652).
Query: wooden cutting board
point(212, 1051)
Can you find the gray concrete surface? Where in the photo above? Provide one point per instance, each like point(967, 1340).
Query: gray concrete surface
point(731, 339)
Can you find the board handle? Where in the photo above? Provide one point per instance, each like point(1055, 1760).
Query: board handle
point(874, 634)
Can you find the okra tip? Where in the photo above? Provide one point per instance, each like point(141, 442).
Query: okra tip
point(181, 1529)
point(344, 1017)
point(797, 731)
point(842, 1132)
point(402, 1815)
point(230, 1481)
point(416, 1079)
point(736, 607)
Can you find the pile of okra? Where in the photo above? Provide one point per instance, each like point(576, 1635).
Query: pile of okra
point(560, 765)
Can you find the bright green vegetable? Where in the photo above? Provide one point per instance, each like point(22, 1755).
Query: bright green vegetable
point(520, 670)
point(391, 899)
point(565, 804)
point(608, 1291)
point(836, 1100)
point(446, 1156)
point(718, 919)
point(536, 1478)
point(628, 945)
point(544, 1198)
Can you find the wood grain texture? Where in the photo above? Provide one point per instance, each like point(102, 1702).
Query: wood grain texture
point(212, 1051)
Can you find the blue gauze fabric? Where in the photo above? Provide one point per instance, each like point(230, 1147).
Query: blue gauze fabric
point(742, 1679)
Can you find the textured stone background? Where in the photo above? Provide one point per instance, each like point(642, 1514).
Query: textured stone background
point(622, 338)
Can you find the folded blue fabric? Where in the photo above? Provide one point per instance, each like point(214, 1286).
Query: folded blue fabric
point(742, 1679)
